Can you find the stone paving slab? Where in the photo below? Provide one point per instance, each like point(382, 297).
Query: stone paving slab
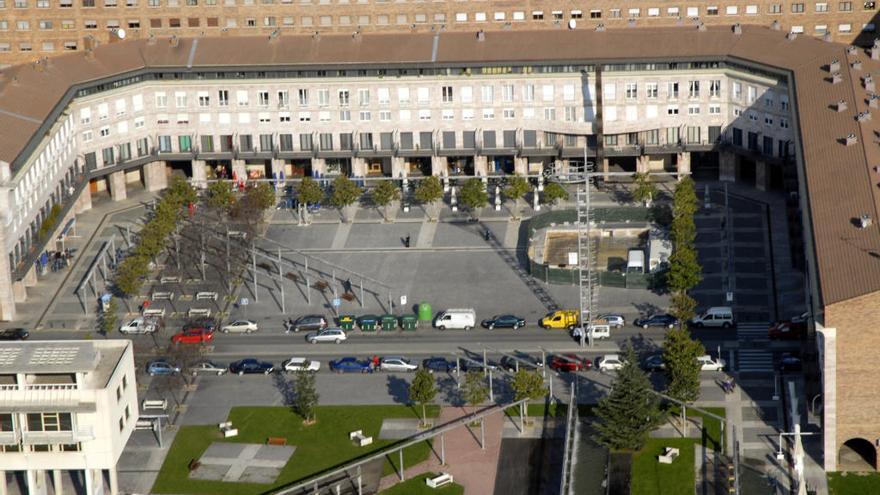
point(397, 428)
point(242, 462)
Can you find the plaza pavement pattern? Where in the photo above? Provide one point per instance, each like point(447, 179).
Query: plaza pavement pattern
point(242, 462)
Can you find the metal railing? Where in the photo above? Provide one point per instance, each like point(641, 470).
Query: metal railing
point(566, 484)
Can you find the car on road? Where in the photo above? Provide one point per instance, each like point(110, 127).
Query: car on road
point(569, 362)
point(524, 361)
point(336, 335)
point(210, 368)
point(193, 336)
point(137, 326)
point(609, 362)
point(397, 363)
point(613, 320)
point(504, 321)
point(240, 326)
point(309, 323)
point(441, 364)
point(654, 362)
point(205, 322)
point(251, 366)
point(708, 363)
point(792, 329)
point(661, 320)
point(789, 362)
point(297, 364)
point(14, 334)
point(351, 364)
point(160, 367)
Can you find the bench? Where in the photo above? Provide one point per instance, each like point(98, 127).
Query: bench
point(227, 430)
point(276, 441)
point(203, 296)
point(348, 296)
point(439, 480)
point(143, 424)
point(199, 312)
point(292, 276)
point(321, 285)
point(669, 455)
point(237, 234)
point(154, 404)
point(156, 312)
point(169, 280)
point(163, 296)
point(359, 438)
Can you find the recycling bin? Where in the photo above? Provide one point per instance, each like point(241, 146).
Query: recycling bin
point(425, 312)
point(346, 322)
point(409, 322)
point(389, 322)
point(368, 323)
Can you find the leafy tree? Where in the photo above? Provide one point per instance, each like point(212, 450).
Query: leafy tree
point(220, 195)
point(517, 187)
point(473, 195)
point(527, 385)
point(186, 357)
point(306, 402)
point(309, 191)
point(630, 411)
point(109, 318)
point(475, 390)
point(345, 192)
point(422, 390)
point(130, 273)
point(180, 191)
point(684, 199)
point(429, 190)
point(685, 271)
point(684, 307)
point(680, 353)
point(385, 193)
point(263, 195)
point(645, 189)
point(684, 231)
point(554, 192)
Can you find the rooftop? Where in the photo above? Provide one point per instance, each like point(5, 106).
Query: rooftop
point(57, 357)
point(840, 178)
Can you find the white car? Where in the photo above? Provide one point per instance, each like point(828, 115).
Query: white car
point(708, 363)
point(296, 364)
point(138, 325)
point(209, 367)
point(609, 362)
point(336, 335)
point(240, 326)
point(397, 363)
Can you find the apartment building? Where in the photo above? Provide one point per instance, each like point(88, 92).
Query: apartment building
point(31, 29)
point(67, 408)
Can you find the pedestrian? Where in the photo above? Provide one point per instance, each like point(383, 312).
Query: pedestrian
point(375, 362)
point(406, 240)
point(582, 335)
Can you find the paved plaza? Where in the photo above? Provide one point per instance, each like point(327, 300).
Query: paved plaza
point(242, 462)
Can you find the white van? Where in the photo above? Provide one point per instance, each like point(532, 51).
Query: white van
point(659, 250)
point(635, 261)
point(719, 316)
point(456, 319)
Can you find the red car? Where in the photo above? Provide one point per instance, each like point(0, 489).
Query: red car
point(793, 329)
point(570, 362)
point(193, 336)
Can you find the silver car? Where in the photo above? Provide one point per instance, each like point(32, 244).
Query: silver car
point(240, 326)
point(297, 364)
point(397, 363)
point(336, 335)
point(209, 367)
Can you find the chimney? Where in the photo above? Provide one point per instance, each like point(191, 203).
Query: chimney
point(274, 35)
point(600, 28)
point(631, 22)
point(865, 221)
point(316, 35)
point(174, 41)
point(875, 53)
point(679, 21)
point(869, 83)
point(701, 27)
point(737, 28)
point(873, 101)
point(826, 37)
point(856, 65)
point(775, 26)
point(152, 39)
point(841, 106)
point(863, 116)
point(876, 43)
point(850, 50)
point(836, 78)
point(850, 139)
point(356, 35)
point(481, 35)
point(834, 66)
point(791, 36)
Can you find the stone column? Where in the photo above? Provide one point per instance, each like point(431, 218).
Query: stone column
point(439, 165)
point(358, 167)
point(643, 164)
point(94, 482)
point(684, 164)
point(155, 178)
point(481, 165)
point(3, 483)
point(84, 201)
point(57, 483)
point(117, 186)
point(398, 167)
point(761, 175)
point(36, 482)
point(114, 481)
point(520, 165)
point(239, 170)
point(199, 173)
point(277, 166)
point(726, 166)
point(319, 166)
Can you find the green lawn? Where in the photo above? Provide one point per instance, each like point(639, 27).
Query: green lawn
point(853, 483)
point(649, 477)
point(417, 486)
point(319, 447)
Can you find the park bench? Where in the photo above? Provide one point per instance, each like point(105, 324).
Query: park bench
point(163, 296)
point(227, 430)
point(321, 285)
point(198, 312)
point(669, 455)
point(154, 404)
point(292, 276)
point(348, 296)
point(169, 280)
point(359, 438)
point(160, 312)
point(276, 441)
point(237, 234)
point(439, 480)
point(203, 296)
point(143, 424)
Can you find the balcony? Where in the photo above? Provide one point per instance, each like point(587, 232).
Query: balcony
point(10, 437)
point(47, 397)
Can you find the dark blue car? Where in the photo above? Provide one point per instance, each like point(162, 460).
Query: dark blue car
point(504, 321)
point(663, 320)
point(434, 364)
point(250, 366)
point(350, 365)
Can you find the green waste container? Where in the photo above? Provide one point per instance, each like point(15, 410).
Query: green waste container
point(368, 323)
point(425, 312)
point(389, 322)
point(346, 322)
point(409, 322)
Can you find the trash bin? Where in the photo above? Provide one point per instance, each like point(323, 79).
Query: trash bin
point(368, 323)
point(409, 322)
point(425, 312)
point(346, 322)
point(389, 322)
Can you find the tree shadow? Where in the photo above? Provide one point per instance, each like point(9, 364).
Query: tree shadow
point(285, 388)
point(646, 308)
point(398, 389)
point(448, 390)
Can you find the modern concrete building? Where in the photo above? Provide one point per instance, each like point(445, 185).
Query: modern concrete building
point(746, 103)
point(66, 407)
point(31, 29)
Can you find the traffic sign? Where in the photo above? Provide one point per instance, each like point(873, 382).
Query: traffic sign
point(336, 302)
point(244, 301)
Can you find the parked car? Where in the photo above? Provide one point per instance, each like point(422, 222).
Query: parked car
point(135, 326)
point(654, 362)
point(205, 322)
point(240, 326)
point(397, 363)
point(524, 361)
point(251, 366)
point(792, 329)
point(433, 364)
point(336, 335)
point(718, 316)
point(504, 321)
point(14, 334)
point(569, 362)
point(662, 320)
point(351, 365)
point(159, 367)
point(209, 367)
point(789, 362)
point(466, 365)
point(193, 336)
point(457, 319)
point(708, 363)
point(309, 323)
point(609, 362)
point(296, 364)
point(613, 320)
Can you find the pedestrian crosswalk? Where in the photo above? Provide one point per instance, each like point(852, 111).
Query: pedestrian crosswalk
point(752, 331)
point(755, 360)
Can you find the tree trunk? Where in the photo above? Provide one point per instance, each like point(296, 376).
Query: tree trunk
point(348, 213)
point(516, 209)
point(475, 213)
point(424, 416)
point(432, 209)
point(389, 211)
